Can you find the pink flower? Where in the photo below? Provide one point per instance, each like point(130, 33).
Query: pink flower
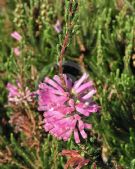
point(75, 159)
point(57, 26)
point(17, 51)
point(17, 94)
point(65, 109)
point(16, 36)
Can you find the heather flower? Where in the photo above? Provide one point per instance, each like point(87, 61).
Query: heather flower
point(16, 36)
point(16, 51)
point(17, 94)
point(65, 108)
point(57, 26)
point(75, 159)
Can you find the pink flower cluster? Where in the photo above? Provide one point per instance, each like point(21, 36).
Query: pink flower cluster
point(65, 108)
point(17, 94)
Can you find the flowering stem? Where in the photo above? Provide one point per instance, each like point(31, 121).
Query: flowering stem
point(65, 42)
point(66, 39)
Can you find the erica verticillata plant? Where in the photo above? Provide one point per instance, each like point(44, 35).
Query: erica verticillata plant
point(65, 108)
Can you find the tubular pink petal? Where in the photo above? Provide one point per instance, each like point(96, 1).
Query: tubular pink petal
point(83, 87)
point(83, 134)
point(53, 113)
point(53, 84)
point(17, 51)
point(67, 135)
point(48, 127)
point(76, 136)
point(71, 103)
point(64, 121)
point(82, 110)
point(53, 91)
point(77, 117)
point(16, 36)
point(57, 79)
point(80, 125)
point(61, 132)
point(89, 95)
point(80, 81)
point(87, 126)
point(93, 108)
point(81, 129)
point(68, 82)
point(57, 26)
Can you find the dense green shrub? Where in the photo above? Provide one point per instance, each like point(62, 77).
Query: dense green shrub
point(101, 42)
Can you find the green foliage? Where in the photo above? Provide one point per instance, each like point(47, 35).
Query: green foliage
point(103, 32)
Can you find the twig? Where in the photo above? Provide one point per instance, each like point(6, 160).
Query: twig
point(65, 41)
